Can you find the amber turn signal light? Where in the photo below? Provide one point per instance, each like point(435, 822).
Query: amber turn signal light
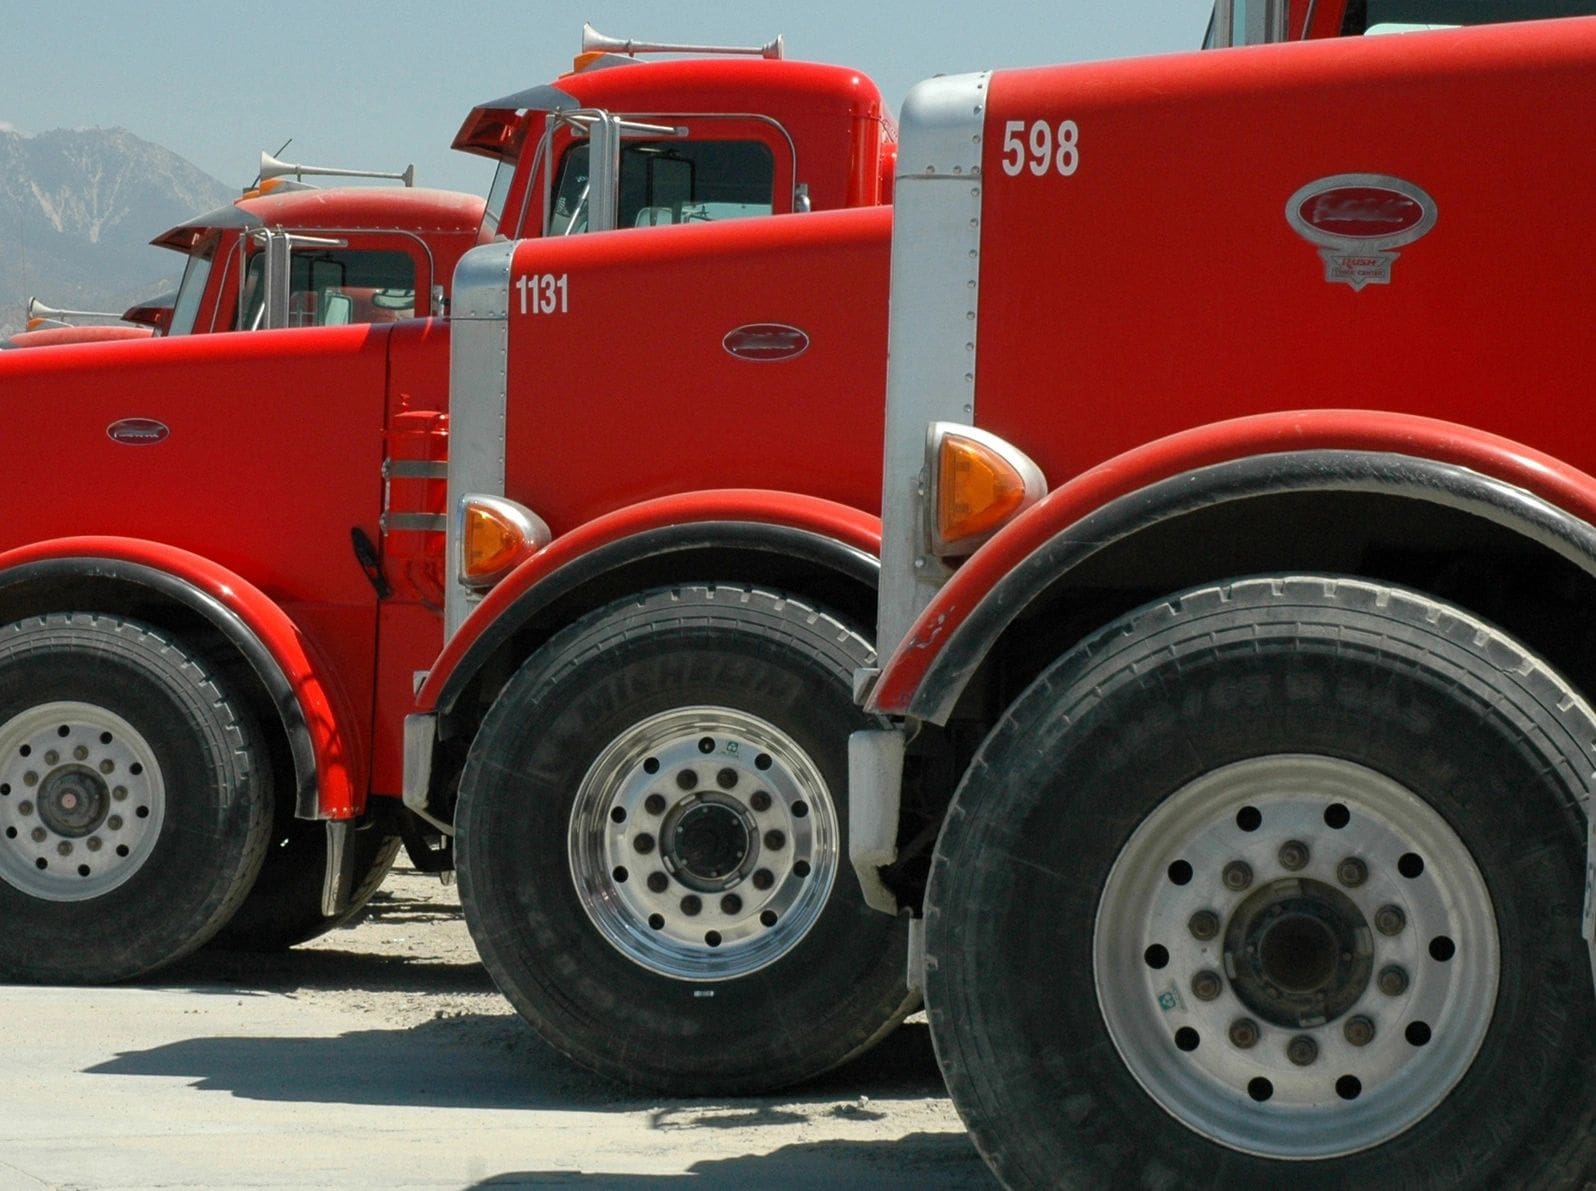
point(980, 484)
point(496, 535)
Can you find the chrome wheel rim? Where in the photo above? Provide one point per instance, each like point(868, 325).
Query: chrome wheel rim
point(82, 801)
point(1296, 957)
point(703, 843)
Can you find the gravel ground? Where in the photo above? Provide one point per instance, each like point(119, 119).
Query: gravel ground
point(408, 967)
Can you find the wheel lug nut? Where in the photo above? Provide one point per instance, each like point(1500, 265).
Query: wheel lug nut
point(1393, 980)
point(114, 822)
point(654, 804)
point(731, 904)
point(24, 808)
point(1352, 872)
point(760, 801)
point(63, 848)
point(94, 843)
point(726, 778)
point(1204, 925)
point(775, 840)
point(1237, 875)
point(1206, 985)
point(107, 766)
point(80, 753)
point(644, 843)
point(691, 904)
point(1244, 1033)
point(1293, 856)
point(1390, 920)
point(658, 882)
point(30, 778)
point(39, 835)
point(1359, 1030)
point(1302, 1050)
point(763, 878)
point(51, 757)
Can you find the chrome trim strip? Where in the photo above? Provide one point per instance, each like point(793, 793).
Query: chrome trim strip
point(936, 268)
point(415, 469)
point(479, 342)
point(416, 522)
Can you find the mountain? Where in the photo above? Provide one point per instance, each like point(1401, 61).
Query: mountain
point(77, 210)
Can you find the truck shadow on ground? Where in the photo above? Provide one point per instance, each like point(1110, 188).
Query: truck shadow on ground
point(483, 1061)
point(916, 1160)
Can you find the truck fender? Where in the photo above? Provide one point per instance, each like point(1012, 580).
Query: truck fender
point(1492, 477)
point(829, 533)
point(310, 709)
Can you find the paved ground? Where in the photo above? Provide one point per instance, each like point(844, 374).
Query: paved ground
point(381, 1057)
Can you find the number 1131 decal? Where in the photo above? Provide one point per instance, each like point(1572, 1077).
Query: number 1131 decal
point(543, 293)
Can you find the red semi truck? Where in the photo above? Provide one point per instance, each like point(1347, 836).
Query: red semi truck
point(1239, 544)
point(652, 616)
point(359, 255)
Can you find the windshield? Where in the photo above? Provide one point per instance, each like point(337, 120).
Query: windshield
point(192, 288)
point(497, 194)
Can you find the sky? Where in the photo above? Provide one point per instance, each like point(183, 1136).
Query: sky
point(373, 85)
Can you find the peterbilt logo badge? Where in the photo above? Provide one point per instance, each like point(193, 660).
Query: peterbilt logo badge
point(1356, 219)
point(138, 432)
point(765, 342)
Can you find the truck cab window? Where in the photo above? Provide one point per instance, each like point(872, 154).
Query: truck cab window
point(1376, 16)
point(331, 288)
point(671, 181)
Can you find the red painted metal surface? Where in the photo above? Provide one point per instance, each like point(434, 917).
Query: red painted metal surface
point(1159, 295)
point(340, 766)
point(584, 437)
point(273, 454)
point(824, 518)
point(1554, 480)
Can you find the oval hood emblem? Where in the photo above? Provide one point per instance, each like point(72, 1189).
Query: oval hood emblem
point(765, 342)
point(137, 432)
point(1371, 211)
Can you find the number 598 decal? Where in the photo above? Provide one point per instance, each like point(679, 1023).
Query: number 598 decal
point(1041, 148)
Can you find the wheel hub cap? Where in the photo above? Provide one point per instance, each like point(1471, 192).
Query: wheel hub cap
point(1296, 957)
point(1298, 952)
point(703, 843)
point(82, 801)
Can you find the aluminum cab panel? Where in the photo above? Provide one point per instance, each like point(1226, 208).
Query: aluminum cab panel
point(626, 391)
point(1160, 286)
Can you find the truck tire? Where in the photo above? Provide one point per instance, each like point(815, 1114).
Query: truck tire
point(134, 800)
point(283, 908)
point(652, 845)
point(1274, 884)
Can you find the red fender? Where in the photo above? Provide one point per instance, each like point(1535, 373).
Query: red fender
point(824, 518)
point(329, 771)
point(914, 657)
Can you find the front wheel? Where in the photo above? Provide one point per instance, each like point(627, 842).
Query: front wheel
point(135, 800)
point(652, 845)
point(1274, 883)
